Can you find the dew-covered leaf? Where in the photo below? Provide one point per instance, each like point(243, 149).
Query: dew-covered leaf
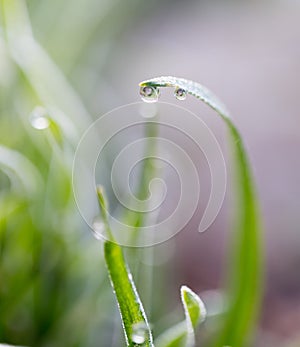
point(244, 278)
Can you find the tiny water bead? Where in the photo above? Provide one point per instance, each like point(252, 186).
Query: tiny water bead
point(149, 94)
point(180, 94)
point(39, 118)
point(139, 333)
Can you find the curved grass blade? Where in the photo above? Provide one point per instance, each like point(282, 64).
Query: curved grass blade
point(183, 334)
point(195, 313)
point(17, 165)
point(134, 320)
point(244, 281)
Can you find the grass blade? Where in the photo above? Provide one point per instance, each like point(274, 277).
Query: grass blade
point(244, 281)
point(17, 165)
point(134, 320)
point(183, 334)
point(195, 313)
point(194, 309)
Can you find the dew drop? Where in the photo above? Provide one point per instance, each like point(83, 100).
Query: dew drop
point(39, 118)
point(149, 94)
point(139, 333)
point(180, 94)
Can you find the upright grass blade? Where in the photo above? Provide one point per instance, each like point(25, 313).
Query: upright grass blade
point(134, 320)
point(244, 281)
point(183, 334)
point(195, 313)
point(194, 309)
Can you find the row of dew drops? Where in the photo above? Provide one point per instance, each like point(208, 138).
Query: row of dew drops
point(151, 94)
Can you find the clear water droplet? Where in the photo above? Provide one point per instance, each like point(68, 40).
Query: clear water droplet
point(139, 333)
point(98, 228)
point(180, 94)
point(39, 118)
point(149, 94)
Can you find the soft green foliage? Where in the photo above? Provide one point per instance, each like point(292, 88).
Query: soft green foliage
point(244, 279)
point(47, 282)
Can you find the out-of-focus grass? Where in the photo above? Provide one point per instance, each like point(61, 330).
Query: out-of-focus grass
point(50, 287)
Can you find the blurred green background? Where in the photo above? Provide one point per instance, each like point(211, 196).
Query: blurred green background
point(74, 60)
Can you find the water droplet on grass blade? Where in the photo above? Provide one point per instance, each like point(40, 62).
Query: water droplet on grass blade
point(149, 94)
point(180, 94)
point(139, 333)
point(39, 118)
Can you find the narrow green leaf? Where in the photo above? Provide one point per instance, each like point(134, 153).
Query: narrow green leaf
point(244, 281)
point(194, 308)
point(183, 334)
point(134, 320)
point(195, 312)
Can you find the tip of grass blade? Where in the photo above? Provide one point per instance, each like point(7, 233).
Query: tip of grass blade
point(194, 307)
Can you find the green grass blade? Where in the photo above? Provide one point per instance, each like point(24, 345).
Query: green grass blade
point(134, 320)
point(183, 334)
point(17, 165)
point(244, 281)
point(194, 309)
point(195, 312)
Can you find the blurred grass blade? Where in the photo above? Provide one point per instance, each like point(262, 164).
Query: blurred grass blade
point(47, 81)
point(173, 337)
point(134, 320)
point(244, 281)
point(16, 165)
point(195, 313)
